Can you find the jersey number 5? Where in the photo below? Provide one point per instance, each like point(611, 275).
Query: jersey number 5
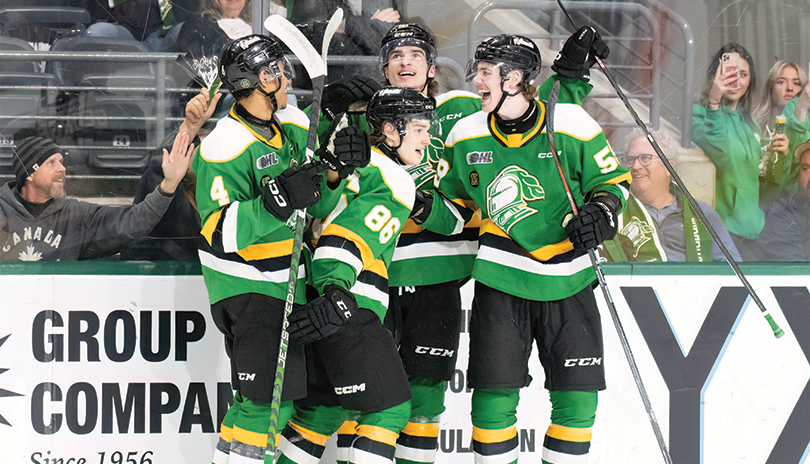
point(380, 220)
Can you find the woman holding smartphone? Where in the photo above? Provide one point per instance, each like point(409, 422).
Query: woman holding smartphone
point(724, 127)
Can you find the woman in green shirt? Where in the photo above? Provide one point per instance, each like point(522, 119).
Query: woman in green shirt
point(723, 126)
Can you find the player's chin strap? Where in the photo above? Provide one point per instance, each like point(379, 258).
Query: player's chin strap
point(272, 95)
point(505, 94)
point(392, 152)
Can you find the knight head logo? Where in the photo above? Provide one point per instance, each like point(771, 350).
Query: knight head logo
point(508, 196)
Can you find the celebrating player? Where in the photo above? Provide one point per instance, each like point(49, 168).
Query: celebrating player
point(534, 281)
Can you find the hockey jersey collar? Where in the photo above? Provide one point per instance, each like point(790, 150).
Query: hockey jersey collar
point(517, 140)
point(260, 128)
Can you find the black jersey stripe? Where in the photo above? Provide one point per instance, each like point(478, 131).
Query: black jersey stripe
point(374, 447)
point(303, 444)
point(424, 236)
point(494, 449)
point(413, 441)
point(278, 263)
point(335, 241)
point(510, 246)
point(567, 447)
point(377, 281)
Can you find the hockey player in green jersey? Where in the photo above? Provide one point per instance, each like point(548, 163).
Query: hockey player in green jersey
point(534, 280)
point(251, 175)
point(355, 371)
point(428, 268)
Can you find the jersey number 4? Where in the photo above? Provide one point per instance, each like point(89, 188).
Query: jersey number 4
point(218, 192)
point(380, 220)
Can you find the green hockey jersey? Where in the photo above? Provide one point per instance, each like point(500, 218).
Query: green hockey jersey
point(246, 250)
point(356, 239)
point(512, 178)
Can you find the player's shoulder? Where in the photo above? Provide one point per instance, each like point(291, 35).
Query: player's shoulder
point(457, 97)
point(293, 115)
point(472, 126)
point(575, 121)
point(227, 141)
point(396, 179)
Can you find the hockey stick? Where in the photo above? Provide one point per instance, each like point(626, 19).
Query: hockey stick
point(628, 353)
point(777, 331)
point(315, 65)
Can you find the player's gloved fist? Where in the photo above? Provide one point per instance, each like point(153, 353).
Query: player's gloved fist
point(295, 188)
point(337, 97)
point(422, 204)
point(594, 224)
point(579, 53)
point(322, 316)
point(351, 151)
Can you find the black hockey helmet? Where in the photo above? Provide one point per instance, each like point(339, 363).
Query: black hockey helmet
point(407, 34)
point(508, 52)
point(398, 105)
point(243, 59)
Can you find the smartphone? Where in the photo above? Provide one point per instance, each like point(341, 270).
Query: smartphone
point(730, 62)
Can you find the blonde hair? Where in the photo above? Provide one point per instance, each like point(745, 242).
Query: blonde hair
point(765, 112)
point(213, 10)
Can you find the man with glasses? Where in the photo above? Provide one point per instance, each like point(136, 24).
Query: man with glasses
point(658, 224)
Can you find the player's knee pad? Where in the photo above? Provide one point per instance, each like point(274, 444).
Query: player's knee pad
point(573, 408)
point(494, 409)
point(427, 399)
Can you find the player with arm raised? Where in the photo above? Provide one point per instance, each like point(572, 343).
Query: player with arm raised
point(532, 265)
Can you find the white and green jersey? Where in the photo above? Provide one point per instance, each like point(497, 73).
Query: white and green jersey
point(356, 239)
point(523, 248)
point(247, 250)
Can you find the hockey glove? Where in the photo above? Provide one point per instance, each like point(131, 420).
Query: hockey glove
point(295, 188)
point(351, 151)
point(579, 53)
point(422, 204)
point(594, 224)
point(337, 97)
point(322, 316)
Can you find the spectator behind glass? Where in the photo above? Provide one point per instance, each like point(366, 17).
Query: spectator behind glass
point(38, 223)
point(175, 237)
point(658, 223)
point(220, 22)
point(365, 22)
point(154, 23)
point(724, 127)
point(777, 177)
point(786, 236)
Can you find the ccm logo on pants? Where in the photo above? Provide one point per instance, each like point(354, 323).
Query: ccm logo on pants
point(583, 362)
point(441, 352)
point(350, 389)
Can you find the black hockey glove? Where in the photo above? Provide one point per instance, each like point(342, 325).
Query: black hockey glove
point(322, 316)
point(422, 204)
point(595, 223)
point(352, 150)
point(579, 53)
point(295, 188)
point(337, 97)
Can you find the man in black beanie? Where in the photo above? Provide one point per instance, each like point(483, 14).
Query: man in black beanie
point(38, 223)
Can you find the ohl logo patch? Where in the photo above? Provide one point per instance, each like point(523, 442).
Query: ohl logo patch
point(5, 393)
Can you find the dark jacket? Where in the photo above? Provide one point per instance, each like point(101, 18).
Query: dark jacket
point(70, 230)
point(786, 236)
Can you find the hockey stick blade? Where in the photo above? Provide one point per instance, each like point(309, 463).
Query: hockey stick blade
point(290, 36)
